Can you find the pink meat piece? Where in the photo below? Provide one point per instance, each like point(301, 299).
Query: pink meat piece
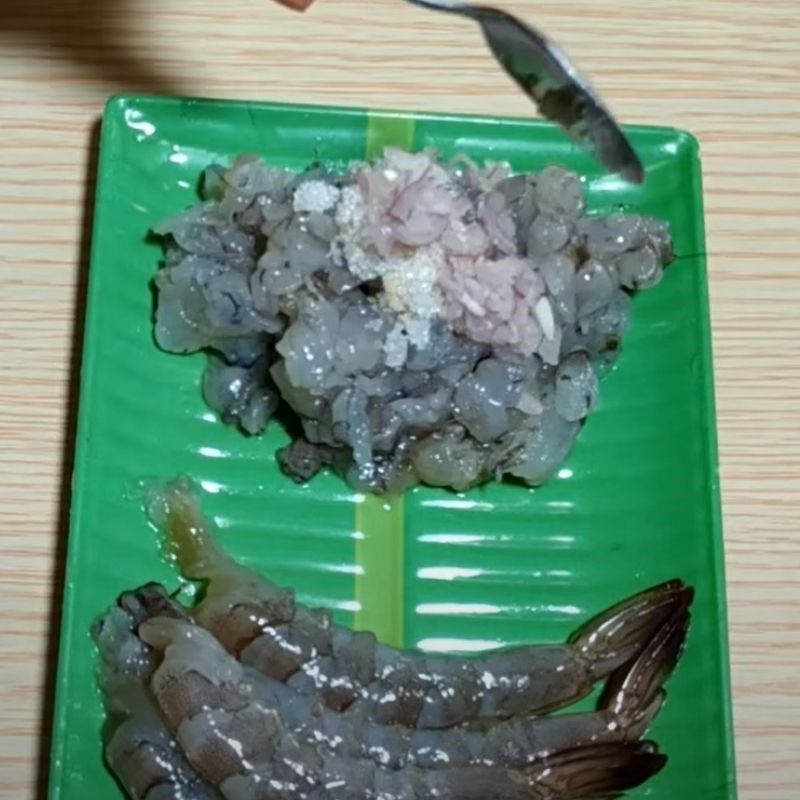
point(493, 301)
point(409, 201)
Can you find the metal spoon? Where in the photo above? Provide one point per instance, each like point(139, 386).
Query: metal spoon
point(543, 71)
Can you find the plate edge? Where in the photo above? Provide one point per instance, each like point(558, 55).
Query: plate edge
point(123, 100)
point(712, 465)
point(105, 149)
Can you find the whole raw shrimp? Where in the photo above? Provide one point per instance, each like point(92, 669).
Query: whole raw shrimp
point(265, 627)
point(140, 750)
point(248, 751)
point(631, 699)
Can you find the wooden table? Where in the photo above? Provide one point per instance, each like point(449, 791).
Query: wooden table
point(729, 71)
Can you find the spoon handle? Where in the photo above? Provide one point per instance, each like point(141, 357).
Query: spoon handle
point(544, 72)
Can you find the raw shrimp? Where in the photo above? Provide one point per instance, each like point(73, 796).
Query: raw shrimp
point(146, 760)
point(140, 750)
point(631, 700)
point(263, 625)
point(589, 772)
point(407, 314)
point(248, 750)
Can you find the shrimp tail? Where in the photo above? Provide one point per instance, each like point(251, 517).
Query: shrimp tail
point(574, 773)
point(619, 634)
point(605, 770)
point(148, 601)
point(115, 633)
point(634, 694)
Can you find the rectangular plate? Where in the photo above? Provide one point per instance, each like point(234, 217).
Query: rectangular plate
point(636, 502)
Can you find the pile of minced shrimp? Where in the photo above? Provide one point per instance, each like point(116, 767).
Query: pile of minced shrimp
point(417, 321)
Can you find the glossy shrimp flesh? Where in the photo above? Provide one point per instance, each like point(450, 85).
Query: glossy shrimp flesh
point(248, 750)
point(265, 627)
point(140, 750)
point(632, 699)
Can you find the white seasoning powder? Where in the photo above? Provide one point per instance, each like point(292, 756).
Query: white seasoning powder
point(349, 219)
point(410, 284)
point(409, 281)
point(315, 196)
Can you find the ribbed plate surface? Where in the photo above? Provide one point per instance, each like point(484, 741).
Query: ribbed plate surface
point(637, 501)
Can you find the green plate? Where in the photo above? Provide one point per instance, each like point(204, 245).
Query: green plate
point(636, 502)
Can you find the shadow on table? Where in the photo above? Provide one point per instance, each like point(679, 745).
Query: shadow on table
point(95, 34)
point(67, 457)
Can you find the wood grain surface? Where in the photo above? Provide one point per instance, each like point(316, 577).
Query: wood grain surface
point(728, 71)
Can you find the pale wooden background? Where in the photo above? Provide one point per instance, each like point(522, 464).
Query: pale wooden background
point(729, 71)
